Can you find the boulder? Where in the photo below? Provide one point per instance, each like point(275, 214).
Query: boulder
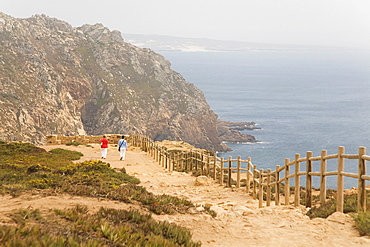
point(203, 181)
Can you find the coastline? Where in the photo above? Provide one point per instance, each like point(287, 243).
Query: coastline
point(230, 132)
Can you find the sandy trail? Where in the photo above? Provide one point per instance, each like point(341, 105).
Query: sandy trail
point(239, 222)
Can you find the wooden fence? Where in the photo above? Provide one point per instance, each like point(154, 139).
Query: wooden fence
point(62, 139)
point(268, 183)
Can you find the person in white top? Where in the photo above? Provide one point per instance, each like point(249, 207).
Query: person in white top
point(122, 146)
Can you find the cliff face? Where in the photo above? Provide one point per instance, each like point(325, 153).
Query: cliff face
point(56, 79)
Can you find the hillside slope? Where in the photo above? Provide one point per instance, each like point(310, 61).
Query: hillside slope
point(57, 79)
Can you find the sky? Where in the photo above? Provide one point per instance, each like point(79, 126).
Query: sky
point(339, 23)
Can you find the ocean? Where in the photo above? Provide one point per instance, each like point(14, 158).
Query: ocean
point(302, 100)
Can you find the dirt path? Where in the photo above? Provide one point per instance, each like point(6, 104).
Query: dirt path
point(239, 222)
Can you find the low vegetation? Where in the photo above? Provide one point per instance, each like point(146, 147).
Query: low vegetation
point(362, 219)
point(78, 227)
point(329, 207)
point(73, 143)
point(25, 168)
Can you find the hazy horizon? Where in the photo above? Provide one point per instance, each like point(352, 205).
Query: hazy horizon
point(339, 23)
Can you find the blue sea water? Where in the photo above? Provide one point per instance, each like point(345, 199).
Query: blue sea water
point(302, 100)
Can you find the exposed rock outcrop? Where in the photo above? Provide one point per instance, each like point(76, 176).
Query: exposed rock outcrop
point(57, 79)
point(230, 131)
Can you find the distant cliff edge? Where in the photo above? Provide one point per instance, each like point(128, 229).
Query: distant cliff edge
point(57, 79)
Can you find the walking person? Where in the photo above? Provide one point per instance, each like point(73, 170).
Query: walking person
point(104, 147)
point(122, 146)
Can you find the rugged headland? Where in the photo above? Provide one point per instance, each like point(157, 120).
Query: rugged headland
point(57, 79)
point(230, 131)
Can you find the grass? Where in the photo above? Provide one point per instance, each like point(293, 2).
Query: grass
point(362, 221)
point(75, 144)
point(67, 154)
point(27, 168)
point(78, 227)
point(329, 207)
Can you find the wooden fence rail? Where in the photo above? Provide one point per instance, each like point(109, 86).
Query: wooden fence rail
point(233, 172)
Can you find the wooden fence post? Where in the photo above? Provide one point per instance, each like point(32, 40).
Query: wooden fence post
point(222, 172)
point(238, 174)
point(309, 180)
point(215, 166)
point(255, 172)
point(160, 158)
point(201, 163)
point(176, 159)
point(361, 203)
point(193, 161)
point(163, 152)
point(175, 166)
point(169, 160)
point(297, 181)
point(340, 186)
point(196, 160)
point(163, 158)
point(156, 152)
point(172, 164)
point(152, 148)
point(208, 165)
point(166, 158)
point(229, 172)
point(181, 161)
point(323, 177)
point(249, 168)
point(185, 161)
point(268, 192)
point(286, 185)
point(190, 160)
point(260, 191)
point(277, 186)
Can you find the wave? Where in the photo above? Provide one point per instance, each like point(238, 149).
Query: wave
point(247, 143)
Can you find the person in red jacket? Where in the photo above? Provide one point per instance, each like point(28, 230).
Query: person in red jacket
point(104, 147)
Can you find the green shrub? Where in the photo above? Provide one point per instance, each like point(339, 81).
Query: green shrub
point(74, 144)
point(67, 154)
point(54, 171)
point(322, 211)
point(21, 216)
point(208, 209)
point(329, 207)
point(362, 221)
point(13, 148)
point(77, 227)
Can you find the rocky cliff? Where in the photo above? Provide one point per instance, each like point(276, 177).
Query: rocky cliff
point(230, 131)
point(57, 79)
